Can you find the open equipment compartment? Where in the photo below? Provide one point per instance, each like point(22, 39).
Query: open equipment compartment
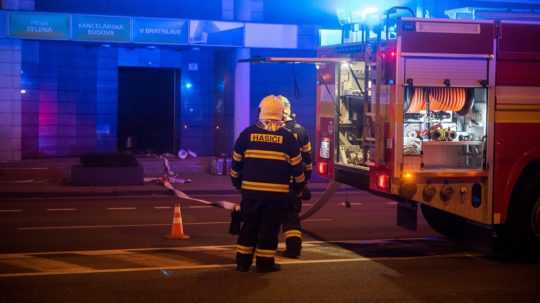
point(444, 128)
point(355, 138)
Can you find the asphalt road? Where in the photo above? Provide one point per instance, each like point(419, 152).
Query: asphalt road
point(115, 250)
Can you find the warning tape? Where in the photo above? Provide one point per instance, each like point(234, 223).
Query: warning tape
point(185, 198)
point(170, 176)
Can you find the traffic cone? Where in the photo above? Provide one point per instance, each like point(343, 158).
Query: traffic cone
point(177, 228)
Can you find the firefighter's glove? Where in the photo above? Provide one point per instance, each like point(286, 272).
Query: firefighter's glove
point(306, 194)
point(307, 173)
point(298, 189)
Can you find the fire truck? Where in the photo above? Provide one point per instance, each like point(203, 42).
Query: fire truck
point(445, 116)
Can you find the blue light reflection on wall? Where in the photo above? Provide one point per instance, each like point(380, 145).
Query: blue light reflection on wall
point(103, 129)
point(330, 36)
point(3, 22)
point(296, 82)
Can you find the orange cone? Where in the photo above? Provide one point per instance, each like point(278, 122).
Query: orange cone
point(177, 228)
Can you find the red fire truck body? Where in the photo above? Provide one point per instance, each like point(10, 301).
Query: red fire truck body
point(446, 116)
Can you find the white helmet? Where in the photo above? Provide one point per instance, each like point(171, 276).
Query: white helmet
point(287, 111)
point(271, 108)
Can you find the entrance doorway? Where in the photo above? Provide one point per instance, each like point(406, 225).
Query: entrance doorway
point(147, 109)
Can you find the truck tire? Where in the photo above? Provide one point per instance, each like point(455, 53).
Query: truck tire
point(444, 223)
point(519, 236)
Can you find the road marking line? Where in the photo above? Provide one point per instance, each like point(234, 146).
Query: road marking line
point(211, 247)
point(121, 208)
point(68, 227)
point(10, 210)
point(99, 197)
point(61, 209)
point(149, 260)
point(165, 195)
point(44, 264)
point(221, 266)
point(162, 207)
point(199, 206)
point(87, 226)
point(112, 226)
point(207, 223)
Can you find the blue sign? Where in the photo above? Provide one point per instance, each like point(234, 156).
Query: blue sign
point(160, 31)
point(101, 28)
point(39, 26)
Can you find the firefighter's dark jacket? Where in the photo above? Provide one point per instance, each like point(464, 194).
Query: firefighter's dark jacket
point(301, 135)
point(265, 161)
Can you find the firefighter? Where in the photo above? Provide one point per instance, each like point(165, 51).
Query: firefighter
point(265, 157)
point(291, 226)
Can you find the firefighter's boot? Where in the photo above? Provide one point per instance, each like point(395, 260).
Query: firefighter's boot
point(243, 262)
point(294, 247)
point(293, 243)
point(244, 257)
point(265, 265)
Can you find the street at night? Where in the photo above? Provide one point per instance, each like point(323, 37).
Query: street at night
point(270, 151)
point(114, 249)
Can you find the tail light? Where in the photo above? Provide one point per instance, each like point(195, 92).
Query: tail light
point(382, 181)
point(322, 168)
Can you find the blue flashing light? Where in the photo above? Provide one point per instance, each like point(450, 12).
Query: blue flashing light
point(344, 16)
point(369, 11)
point(188, 85)
point(370, 15)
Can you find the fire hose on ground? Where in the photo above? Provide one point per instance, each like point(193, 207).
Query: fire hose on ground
point(169, 178)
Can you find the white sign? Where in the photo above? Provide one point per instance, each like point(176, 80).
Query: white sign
point(447, 28)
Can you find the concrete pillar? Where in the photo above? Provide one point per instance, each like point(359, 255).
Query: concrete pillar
point(244, 10)
point(242, 92)
point(10, 100)
point(10, 89)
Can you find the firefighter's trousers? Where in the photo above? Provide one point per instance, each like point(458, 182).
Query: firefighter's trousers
point(292, 229)
point(259, 233)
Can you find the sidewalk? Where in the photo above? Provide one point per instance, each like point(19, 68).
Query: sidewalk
point(50, 178)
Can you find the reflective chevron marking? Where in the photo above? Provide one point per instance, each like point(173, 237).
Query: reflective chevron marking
point(214, 257)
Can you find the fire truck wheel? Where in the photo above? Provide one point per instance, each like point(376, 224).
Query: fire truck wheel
point(444, 223)
point(519, 236)
point(535, 219)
